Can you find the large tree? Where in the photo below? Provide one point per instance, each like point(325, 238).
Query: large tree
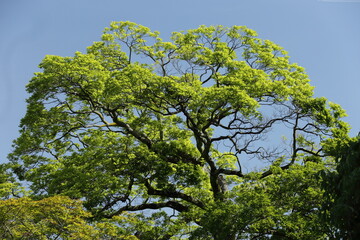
point(212, 135)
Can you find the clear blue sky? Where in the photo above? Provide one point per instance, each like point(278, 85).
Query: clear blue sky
point(321, 35)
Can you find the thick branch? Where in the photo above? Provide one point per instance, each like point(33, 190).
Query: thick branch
point(231, 172)
point(173, 194)
point(170, 204)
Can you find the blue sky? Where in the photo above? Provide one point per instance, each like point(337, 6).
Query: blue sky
point(321, 35)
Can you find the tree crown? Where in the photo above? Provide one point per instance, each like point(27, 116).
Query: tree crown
point(139, 123)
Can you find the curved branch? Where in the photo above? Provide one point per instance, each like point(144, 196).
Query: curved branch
point(173, 194)
point(170, 204)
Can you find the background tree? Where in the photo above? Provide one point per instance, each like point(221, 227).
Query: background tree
point(342, 192)
point(50, 218)
point(57, 217)
point(173, 131)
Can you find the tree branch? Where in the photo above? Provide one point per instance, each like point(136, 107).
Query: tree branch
point(170, 204)
point(173, 194)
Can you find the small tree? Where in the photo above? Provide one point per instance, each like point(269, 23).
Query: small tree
point(167, 129)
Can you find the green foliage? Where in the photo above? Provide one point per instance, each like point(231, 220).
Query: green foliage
point(165, 129)
point(342, 193)
point(49, 218)
point(8, 185)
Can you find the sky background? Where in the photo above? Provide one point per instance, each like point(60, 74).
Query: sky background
point(321, 35)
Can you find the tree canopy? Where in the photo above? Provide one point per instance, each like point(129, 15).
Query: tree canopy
point(213, 134)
